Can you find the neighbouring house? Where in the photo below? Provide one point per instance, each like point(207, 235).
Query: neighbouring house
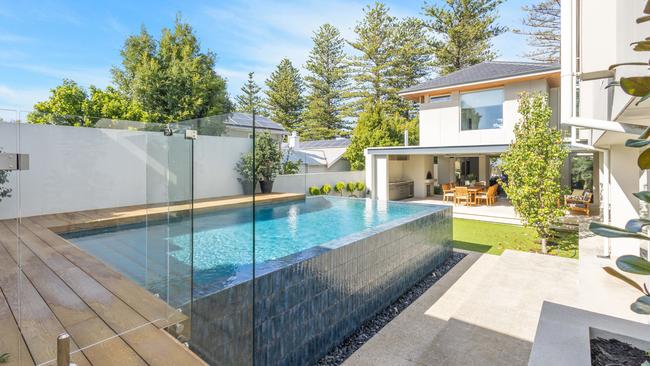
point(595, 35)
point(467, 120)
point(318, 156)
point(239, 124)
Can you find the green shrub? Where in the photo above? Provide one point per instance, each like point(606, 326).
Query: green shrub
point(361, 187)
point(314, 191)
point(339, 187)
point(326, 188)
point(351, 187)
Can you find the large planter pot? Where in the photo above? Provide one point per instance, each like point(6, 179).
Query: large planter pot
point(248, 187)
point(266, 186)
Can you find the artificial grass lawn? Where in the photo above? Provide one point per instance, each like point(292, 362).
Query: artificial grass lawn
point(493, 238)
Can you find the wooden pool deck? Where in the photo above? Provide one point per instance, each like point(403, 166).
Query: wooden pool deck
point(61, 288)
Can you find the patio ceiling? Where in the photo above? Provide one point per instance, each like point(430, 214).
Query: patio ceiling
point(438, 150)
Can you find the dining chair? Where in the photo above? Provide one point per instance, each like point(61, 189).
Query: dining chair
point(461, 195)
point(447, 192)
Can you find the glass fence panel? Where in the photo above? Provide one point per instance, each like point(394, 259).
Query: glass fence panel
point(12, 280)
point(105, 228)
point(224, 183)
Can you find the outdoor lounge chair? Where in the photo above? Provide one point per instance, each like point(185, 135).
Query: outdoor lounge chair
point(489, 196)
point(447, 192)
point(461, 195)
point(579, 201)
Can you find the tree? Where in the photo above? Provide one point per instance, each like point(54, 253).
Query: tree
point(172, 80)
point(165, 81)
point(250, 100)
point(284, 97)
point(71, 105)
point(411, 62)
point(533, 164)
point(542, 27)
point(375, 128)
point(371, 69)
point(66, 106)
point(466, 28)
point(327, 79)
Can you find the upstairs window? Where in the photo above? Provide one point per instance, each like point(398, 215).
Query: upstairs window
point(440, 99)
point(481, 110)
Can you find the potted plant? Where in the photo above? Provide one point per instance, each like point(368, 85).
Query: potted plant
point(247, 177)
point(268, 158)
point(4, 192)
point(314, 191)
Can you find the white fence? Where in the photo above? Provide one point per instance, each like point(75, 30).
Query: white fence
point(75, 169)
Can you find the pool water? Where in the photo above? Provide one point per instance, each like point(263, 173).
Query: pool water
point(157, 255)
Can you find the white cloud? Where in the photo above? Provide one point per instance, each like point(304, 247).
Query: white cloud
point(85, 76)
point(21, 99)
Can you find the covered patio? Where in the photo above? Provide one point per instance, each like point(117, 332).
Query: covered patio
point(432, 175)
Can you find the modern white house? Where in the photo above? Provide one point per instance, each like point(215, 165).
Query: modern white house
point(318, 156)
point(595, 35)
point(467, 120)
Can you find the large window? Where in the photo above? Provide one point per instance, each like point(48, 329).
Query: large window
point(481, 110)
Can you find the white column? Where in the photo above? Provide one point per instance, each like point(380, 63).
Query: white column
point(381, 177)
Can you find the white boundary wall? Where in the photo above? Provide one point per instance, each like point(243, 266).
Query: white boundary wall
point(300, 183)
point(74, 168)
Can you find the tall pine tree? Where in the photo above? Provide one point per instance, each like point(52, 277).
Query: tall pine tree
point(327, 79)
point(284, 97)
point(542, 26)
point(371, 68)
point(250, 99)
point(410, 64)
point(466, 28)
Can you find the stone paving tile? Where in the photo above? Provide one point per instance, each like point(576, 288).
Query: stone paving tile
point(485, 310)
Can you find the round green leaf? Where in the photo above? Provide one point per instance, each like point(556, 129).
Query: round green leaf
point(633, 264)
point(643, 196)
point(644, 160)
point(641, 46)
point(609, 231)
point(636, 225)
point(636, 143)
point(637, 86)
point(641, 305)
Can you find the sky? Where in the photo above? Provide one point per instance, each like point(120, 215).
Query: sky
point(43, 42)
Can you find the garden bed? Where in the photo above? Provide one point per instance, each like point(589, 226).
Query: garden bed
point(372, 326)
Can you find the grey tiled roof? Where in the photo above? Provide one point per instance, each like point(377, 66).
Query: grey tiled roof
point(484, 72)
point(324, 143)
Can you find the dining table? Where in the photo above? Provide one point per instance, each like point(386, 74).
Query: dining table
point(472, 191)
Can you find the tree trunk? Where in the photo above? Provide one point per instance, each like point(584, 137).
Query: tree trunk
point(544, 250)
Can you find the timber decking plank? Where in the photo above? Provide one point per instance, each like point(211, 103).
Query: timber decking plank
point(11, 340)
point(83, 324)
point(146, 304)
point(37, 322)
point(156, 348)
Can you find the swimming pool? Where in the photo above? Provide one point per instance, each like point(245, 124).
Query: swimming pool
point(157, 255)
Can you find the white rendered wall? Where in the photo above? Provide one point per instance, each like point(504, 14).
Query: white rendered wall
point(74, 169)
point(440, 126)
